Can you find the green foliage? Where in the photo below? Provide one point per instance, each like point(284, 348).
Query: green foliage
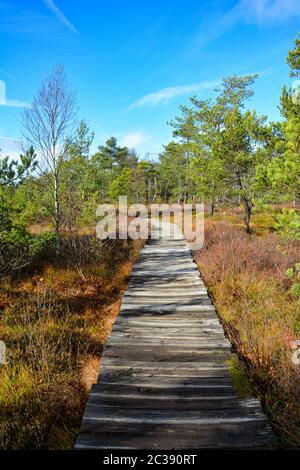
point(281, 177)
point(102, 170)
point(223, 141)
point(81, 143)
point(206, 174)
point(18, 248)
point(121, 185)
point(294, 275)
point(293, 58)
point(283, 172)
point(43, 243)
point(233, 155)
point(117, 157)
point(32, 200)
point(145, 180)
point(173, 177)
point(288, 224)
point(240, 377)
point(12, 171)
point(224, 154)
point(18, 236)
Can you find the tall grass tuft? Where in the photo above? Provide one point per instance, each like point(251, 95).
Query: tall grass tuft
point(54, 322)
point(246, 276)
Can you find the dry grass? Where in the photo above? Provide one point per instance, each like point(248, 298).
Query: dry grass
point(246, 278)
point(54, 323)
point(40, 227)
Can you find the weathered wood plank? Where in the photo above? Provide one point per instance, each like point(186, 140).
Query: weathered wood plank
point(168, 354)
point(103, 413)
point(183, 436)
point(165, 377)
point(189, 383)
point(217, 388)
point(110, 373)
point(165, 403)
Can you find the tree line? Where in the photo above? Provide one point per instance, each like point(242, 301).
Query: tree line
point(222, 154)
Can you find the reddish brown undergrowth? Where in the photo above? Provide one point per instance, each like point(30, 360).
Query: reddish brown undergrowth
point(246, 277)
point(54, 322)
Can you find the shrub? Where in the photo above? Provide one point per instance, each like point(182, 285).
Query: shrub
point(19, 249)
point(40, 385)
point(246, 276)
point(294, 275)
point(54, 324)
point(288, 224)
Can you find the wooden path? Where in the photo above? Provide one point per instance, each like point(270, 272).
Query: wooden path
point(165, 381)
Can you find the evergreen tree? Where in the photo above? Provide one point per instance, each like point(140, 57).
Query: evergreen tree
point(223, 139)
point(283, 172)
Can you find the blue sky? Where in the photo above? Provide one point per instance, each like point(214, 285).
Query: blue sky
point(133, 62)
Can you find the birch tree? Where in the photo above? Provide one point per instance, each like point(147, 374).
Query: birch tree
point(47, 124)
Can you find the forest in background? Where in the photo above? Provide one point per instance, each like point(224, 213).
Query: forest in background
point(61, 287)
point(223, 155)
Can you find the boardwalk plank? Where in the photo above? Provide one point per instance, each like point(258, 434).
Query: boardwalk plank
point(165, 377)
point(183, 436)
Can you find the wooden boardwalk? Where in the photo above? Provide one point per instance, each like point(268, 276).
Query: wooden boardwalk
point(164, 381)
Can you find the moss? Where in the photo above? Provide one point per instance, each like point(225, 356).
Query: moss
point(54, 324)
point(241, 379)
point(246, 276)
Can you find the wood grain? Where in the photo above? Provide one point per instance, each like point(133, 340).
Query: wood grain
point(165, 377)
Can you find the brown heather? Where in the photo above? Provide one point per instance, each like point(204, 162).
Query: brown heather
point(55, 322)
point(246, 278)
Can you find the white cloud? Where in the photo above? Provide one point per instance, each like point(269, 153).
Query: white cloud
point(5, 102)
point(60, 15)
point(27, 22)
point(166, 94)
point(133, 139)
point(266, 11)
point(10, 146)
point(7, 74)
point(260, 12)
point(15, 104)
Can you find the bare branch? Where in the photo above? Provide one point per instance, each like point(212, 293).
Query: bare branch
point(47, 125)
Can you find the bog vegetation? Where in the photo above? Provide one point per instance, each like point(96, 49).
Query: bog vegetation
point(60, 287)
